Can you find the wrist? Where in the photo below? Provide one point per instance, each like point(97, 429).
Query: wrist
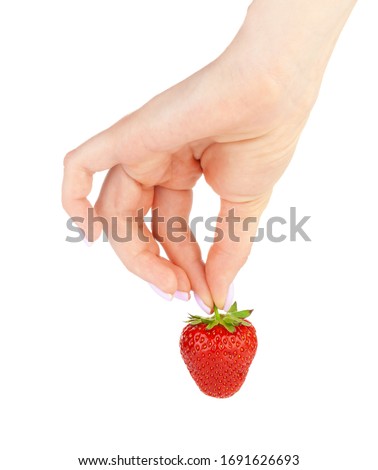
point(290, 41)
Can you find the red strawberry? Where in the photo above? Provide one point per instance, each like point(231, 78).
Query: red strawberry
point(218, 350)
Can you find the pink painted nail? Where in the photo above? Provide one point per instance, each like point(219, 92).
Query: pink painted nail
point(88, 243)
point(181, 295)
point(229, 298)
point(82, 233)
point(202, 304)
point(162, 294)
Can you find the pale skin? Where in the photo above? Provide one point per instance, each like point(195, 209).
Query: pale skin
point(237, 121)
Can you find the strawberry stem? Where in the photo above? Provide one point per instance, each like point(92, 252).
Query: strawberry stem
point(229, 320)
point(217, 314)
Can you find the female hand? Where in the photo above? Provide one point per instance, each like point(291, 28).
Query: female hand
point(237, 121)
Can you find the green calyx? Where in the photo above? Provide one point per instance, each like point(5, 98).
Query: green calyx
point(229, 320)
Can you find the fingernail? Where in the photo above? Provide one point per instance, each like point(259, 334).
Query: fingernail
point(203, 306)
point(229, 298)
point(82, 234)
point(181, 295)
point(162, 294)
point(88, 243)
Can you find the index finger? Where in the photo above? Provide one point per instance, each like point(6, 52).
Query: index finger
point(96, 154)
point(238, 223)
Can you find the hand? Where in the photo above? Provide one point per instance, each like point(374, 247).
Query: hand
point(237, 120)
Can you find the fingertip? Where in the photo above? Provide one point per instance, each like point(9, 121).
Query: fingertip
point(153, 269)
point(202, 304)
point(229, 298)
point(161, 293)
point(181, 295)
point(89, 232)
point(167, 283)
point(218, 283)
point(87, 243)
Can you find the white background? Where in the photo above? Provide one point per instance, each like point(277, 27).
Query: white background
point(90, 364)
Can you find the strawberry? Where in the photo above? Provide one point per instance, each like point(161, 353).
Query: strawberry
point(218, 350)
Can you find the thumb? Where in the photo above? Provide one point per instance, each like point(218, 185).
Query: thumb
point(236, 227)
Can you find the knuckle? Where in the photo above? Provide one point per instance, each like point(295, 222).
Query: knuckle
point(69, 157)
point(104, 209)
point(67, 204)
